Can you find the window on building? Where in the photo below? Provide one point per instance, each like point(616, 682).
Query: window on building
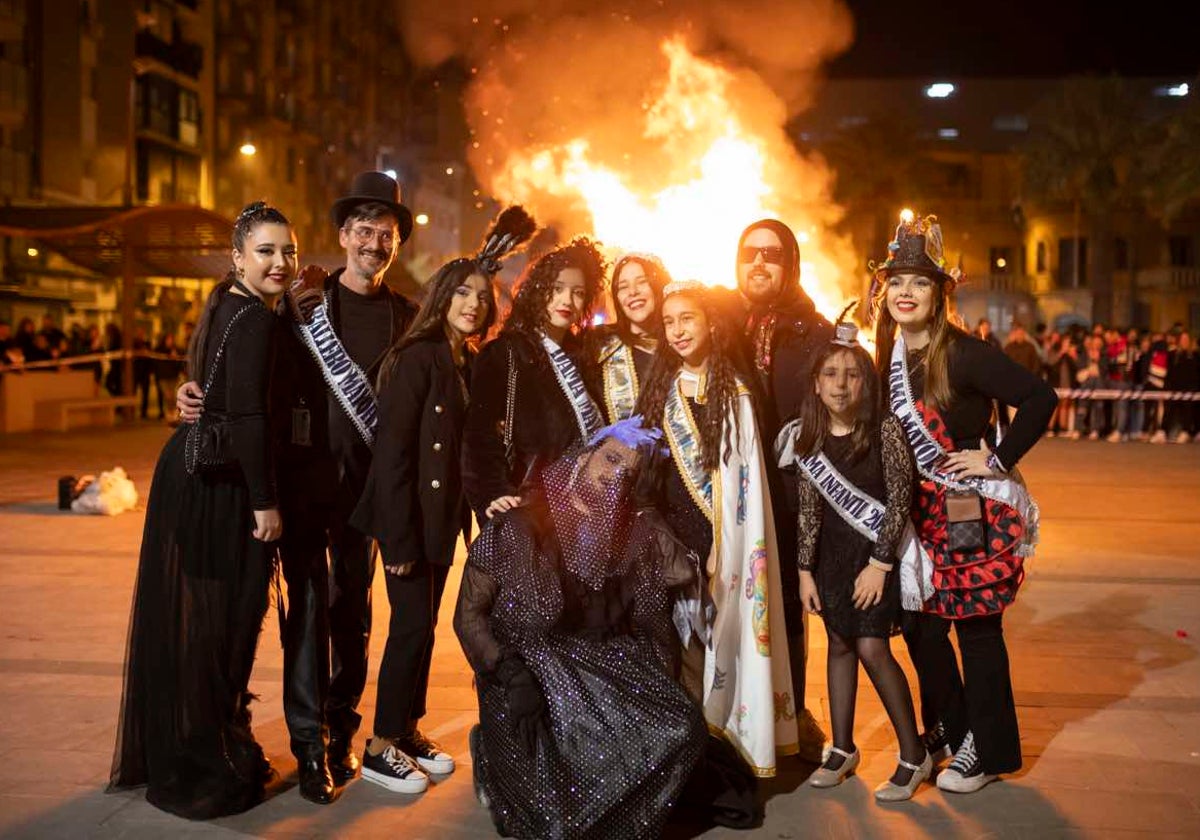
point(1000, 261)
point(1041, 257)
point(1011, 122)
point(1182, 255)
point(1066, 262)
point(1121, 254)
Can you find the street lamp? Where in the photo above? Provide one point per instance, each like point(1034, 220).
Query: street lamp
point(422, 219)
point(248, 149)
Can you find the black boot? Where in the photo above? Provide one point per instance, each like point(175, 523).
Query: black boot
point(316, 784)
point(343, 763)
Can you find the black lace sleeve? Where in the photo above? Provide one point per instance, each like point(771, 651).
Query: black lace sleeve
point(247, 383)
point(484, 465)
point(898, 478)
point(472, 622)
point(808, 524)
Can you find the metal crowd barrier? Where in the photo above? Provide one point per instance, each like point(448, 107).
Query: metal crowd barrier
point(1130, 394)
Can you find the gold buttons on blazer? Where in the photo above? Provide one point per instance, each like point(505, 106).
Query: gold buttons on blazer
point(438, 409)
point(437, 447)
point(435, 484)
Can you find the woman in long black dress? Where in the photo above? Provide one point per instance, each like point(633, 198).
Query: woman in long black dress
point(413, 502)
point(530, 401)
point(206, 559)
point(974, 518)
point(855, 480)
point(584, 732)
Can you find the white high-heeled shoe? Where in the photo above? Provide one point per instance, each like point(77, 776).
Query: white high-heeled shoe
point(889, 791)
point(823, 777)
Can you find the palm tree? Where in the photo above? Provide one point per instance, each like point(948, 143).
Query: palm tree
point(1079, 155)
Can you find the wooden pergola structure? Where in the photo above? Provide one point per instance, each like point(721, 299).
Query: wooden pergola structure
point(171, 240)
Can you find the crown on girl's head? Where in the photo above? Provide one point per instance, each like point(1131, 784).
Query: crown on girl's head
point(676, 287)
point(845, 332)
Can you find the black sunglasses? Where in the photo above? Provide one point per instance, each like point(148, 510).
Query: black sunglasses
point(771, 255)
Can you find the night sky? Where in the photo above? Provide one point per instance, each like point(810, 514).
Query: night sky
point(1022, 38)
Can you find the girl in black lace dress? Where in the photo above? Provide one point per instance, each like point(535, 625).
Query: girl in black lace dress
point(206, 558)
point(855, 488)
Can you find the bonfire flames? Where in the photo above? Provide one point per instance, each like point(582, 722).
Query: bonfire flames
point(712, 163)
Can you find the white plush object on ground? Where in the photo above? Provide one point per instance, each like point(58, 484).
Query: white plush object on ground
point(110, 494)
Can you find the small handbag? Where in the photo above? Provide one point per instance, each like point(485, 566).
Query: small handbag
point(209, 444)
point(966, 525)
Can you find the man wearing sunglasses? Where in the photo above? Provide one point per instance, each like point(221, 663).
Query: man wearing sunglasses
point(783, 332)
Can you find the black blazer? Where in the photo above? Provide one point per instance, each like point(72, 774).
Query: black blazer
point(544, 422)
point(413, 500)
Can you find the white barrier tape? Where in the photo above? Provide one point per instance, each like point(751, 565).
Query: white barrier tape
point(1110, 394)
point(69, 361)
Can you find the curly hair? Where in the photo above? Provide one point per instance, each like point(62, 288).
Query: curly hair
point(536, 286)
point(717, 439)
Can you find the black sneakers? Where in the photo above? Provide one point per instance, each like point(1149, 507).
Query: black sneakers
point(965, 773)
point(936, 744)
point(431, 757)
point(394, 770)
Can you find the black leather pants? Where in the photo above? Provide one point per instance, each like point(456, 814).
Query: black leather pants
point(327, 630)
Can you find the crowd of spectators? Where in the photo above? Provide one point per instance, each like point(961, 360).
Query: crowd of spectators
point(1136, 363)
point(159, 361)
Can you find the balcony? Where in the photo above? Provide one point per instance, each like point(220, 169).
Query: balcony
point(184, 56)
point(1175, 278)
point(1017, 283)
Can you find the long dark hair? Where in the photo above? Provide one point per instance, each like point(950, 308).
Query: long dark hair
point(868, 416)
point(431, 319)
point(721, 390)
point(536, 286)
point(942, 333)
point(252, 216)
point(657, 276)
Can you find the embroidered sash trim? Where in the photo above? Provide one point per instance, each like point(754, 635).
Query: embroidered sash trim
point(587, 414)
point(346, 380)
point(621, 386)
point(684, 438)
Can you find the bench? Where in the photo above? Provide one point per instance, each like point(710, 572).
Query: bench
point(94, 411)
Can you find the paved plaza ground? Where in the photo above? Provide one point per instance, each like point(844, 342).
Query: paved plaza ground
point(1103, 643)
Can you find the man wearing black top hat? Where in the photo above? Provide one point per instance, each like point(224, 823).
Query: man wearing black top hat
point(345, 323)
point(351, 313)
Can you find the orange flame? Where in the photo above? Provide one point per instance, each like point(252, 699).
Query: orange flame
point(709, 172)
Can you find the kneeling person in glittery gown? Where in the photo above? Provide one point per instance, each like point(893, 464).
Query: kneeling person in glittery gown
point(565, 615)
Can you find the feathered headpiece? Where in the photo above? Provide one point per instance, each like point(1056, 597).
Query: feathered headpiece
point(508, 233)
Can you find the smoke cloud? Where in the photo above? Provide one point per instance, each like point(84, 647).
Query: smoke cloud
point(546, 72)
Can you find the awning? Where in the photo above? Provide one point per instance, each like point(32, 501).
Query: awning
point(171, 240)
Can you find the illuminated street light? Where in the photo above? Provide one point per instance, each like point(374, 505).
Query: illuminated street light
point(1178, 90)
point(939, 90)
point(422, 219)
point(449, 170)
point(33, 252)
point(1001, 262)
point(248, 149)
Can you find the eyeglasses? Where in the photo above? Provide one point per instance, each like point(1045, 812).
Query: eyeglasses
point(771, 255)
point(365, 234)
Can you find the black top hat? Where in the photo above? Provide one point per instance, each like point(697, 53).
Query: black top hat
point(917, 248)
point(372, 187)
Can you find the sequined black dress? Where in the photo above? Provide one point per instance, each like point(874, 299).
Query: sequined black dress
point(835, 552)
point(623, 737)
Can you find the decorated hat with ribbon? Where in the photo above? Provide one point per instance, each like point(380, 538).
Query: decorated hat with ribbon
point(917, 249)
